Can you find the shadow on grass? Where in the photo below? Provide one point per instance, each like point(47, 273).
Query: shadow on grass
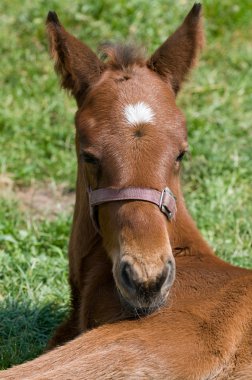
point(25, 330)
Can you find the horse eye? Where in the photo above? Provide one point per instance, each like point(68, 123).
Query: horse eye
point(181, 156)
point(89, 158)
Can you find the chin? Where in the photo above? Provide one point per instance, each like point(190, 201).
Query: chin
point(141, 307)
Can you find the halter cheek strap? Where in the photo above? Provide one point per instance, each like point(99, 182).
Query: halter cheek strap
point(165, 199)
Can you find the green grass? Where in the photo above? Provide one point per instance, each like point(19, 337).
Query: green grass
point(36, 139)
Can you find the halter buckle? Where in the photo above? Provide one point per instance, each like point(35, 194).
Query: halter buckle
point(164, 204)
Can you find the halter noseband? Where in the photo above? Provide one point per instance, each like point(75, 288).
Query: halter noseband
point(165, 199)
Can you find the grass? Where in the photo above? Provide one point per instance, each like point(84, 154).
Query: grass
point(36, 139)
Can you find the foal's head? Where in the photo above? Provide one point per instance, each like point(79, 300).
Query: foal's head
point(130, 133)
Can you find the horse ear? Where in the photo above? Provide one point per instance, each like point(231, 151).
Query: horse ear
point(77, 65)
point(177, 55)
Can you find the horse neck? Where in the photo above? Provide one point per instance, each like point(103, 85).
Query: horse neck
point(184, 235)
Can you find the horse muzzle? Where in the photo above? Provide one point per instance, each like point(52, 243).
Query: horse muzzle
point(144, 295)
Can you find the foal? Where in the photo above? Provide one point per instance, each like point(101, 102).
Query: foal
point(130, 138)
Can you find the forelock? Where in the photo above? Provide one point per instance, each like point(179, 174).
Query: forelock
point(122, 57)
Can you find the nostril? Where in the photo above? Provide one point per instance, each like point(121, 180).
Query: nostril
point(170, 272)
point(126, 275)
point(166, 277)
point(162, 279)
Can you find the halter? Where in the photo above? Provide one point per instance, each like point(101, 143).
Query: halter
point(165, 199)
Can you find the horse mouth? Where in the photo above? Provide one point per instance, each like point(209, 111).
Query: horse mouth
point(138, 307)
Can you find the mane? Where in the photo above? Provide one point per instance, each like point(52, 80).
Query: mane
point(122, 56)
